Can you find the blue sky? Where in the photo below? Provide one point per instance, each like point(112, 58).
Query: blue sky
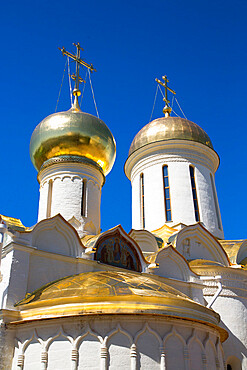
point(200, 45)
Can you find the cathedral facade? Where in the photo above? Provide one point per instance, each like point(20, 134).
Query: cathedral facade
point(169, 294)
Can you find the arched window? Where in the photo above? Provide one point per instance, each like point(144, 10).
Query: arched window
point(233, 363)
point(49, 199)
point(194, 195)
point(215, 202)
point(142, 200)
point(167, 193)
point(83, 197)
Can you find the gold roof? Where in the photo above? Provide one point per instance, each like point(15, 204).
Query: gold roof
point(108, 292)
point(169, 128)
point(73, 133)
point(201, 262)
point(14, 223)
point(232, 247)
point(164, 232)
point(94, 285)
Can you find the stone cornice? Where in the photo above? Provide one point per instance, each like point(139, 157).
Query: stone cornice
point(78, 164)
point(172, 150)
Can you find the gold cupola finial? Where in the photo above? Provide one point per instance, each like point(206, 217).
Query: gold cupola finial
point(167, 109)
point(76, 77)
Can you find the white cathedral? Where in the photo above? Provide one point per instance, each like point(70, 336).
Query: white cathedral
point(170, 294)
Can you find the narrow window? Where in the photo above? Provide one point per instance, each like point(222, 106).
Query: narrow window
point(83, 197)
point(167, 194)
point(142, 200)
point(193, 186)
point(215, 202)
point(49, 199)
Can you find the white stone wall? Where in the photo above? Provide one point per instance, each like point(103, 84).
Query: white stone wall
point(7, 339)
point(15, 267)
point(110, 342)
point(178, 157)
point(233, 312)
point(26, 269)
point(232, 308)
point(66, 194)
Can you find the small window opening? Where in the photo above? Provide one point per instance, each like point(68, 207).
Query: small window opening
point(215, 202)
point(83, 197)
point(194, 194)
point(49, 199)
point(142, 200)
point(167, 197)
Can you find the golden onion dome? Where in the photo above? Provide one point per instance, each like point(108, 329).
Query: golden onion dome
point(73, 133)
point(109, 292)
point(169, 128)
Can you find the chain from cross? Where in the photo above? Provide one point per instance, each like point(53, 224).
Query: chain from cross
point(164, 84)
point(77, 58)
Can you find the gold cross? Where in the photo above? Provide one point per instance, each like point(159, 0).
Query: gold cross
point(77, 58)
point(73, 76)
point(164, 84)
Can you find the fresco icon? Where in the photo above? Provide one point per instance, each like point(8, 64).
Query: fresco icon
point(116, 251)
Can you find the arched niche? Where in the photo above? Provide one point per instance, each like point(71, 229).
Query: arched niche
point(195, 242)
point(149, 350)
point(173, 265)
point(56, 235)
point(32, 355)
point(174, 351)
point(210, 355)
point(119, 351)
point(89, 353)
point(116, 248)
point(195, 354)
point(146, 241)
point(59, 354)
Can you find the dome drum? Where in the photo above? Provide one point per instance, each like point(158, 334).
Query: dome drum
point(177, 145)
point(71, 159)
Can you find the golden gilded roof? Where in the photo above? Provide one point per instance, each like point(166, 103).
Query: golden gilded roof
point(201, 262)
point(14, 223)
point(232, 247)
point(73, 133)
point(169, 128)
point(107, 292)
point(164, 232)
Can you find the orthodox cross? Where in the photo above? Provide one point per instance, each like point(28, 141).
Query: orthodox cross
point(77, 58)
point(167, 110)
